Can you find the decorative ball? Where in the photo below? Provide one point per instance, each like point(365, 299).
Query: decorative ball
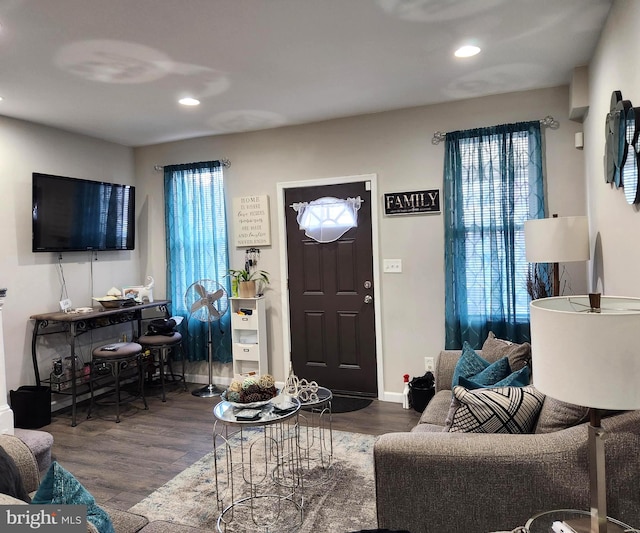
point(236, 386)
point(233, 396)
point(248, 381)
point(253, 397)
point(266, 381)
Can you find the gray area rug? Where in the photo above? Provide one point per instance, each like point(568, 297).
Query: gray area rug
point(343, 502)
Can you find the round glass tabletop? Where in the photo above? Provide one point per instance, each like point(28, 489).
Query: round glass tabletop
point(570, 521)
point(278, 409)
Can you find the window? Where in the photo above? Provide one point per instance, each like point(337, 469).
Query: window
point(493, 183)
point(197, 249)
point(327, 219)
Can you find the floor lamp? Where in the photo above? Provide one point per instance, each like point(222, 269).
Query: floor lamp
point(582, 349)
point(556, 240)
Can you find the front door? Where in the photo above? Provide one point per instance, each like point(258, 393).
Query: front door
point(332, 319)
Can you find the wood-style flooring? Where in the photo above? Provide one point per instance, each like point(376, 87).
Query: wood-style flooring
point(120, 464)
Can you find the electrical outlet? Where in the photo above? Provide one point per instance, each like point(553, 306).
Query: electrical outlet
point(429, 364)
point(65, 304)
point(393, 266)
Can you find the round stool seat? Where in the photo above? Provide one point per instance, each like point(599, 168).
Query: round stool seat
point(118, 358)
point(117, 350)
point(160, 340)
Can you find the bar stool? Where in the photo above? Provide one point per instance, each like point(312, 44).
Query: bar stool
point(118, 357)
point(161, 347)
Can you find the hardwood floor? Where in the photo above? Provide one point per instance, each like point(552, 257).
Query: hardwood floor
point(120, 464)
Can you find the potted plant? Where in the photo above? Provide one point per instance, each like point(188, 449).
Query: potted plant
point(245, 280)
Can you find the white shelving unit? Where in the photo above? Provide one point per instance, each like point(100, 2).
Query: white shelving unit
point(249, 336)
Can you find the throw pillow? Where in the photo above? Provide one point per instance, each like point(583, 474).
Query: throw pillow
point(521, 378)
point(10, 478)
point(60, 487)
point(501, 410)
point(519, 354)
point(471, 365)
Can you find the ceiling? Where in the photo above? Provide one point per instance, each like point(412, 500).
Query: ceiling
point(114, 69)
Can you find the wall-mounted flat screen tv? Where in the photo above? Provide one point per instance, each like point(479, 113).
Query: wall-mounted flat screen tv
point(71, 215)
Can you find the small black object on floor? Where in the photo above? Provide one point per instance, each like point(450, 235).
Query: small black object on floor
point(346, 404)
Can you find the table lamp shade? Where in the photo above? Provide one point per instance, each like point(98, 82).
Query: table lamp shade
point(557, 240)
point(591, 359)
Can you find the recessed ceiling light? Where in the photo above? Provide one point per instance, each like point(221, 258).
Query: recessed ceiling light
point(467, 51)
point(189, 101)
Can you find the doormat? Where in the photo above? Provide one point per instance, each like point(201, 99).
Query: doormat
point(347, 404)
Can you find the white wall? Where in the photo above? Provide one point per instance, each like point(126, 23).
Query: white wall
point(613, 222)
point(396, 146)
point(33, 279)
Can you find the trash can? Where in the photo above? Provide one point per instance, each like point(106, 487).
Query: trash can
point(421, 390)
point(31, 406)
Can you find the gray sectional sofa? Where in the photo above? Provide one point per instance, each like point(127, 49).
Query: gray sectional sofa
point(431, 480)
point(123, 521)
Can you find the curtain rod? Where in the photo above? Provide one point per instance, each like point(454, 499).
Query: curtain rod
point(547, 122)
point(224, 162)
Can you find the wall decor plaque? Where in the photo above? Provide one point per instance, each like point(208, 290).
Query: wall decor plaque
point(252, 222)
point(412, 203)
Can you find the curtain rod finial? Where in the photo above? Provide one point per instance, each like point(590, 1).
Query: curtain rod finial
point(438, 137)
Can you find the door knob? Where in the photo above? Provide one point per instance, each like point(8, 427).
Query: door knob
point(368, 299)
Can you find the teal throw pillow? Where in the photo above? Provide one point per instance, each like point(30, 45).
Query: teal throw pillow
point(521, 378)
point(60, 487)
point(472, 366)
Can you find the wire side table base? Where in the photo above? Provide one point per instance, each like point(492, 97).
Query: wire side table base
point(258, 486)
point(316, 442)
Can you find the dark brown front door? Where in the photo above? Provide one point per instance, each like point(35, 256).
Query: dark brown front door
point(331, 297)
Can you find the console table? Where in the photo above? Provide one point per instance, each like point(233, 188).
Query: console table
point(75, 324)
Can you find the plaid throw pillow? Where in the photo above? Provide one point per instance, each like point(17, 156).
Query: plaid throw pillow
point(499, 410)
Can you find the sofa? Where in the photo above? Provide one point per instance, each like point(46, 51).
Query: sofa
point(433, 480)
point(123, 521)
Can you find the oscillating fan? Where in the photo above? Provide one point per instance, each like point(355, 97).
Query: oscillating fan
point(207, 301)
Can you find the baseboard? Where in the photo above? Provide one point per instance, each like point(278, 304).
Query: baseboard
point(395, 397)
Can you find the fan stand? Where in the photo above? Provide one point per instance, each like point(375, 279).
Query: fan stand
point(211, 390)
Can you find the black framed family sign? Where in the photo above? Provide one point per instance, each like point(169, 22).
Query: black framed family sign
point(412, 202)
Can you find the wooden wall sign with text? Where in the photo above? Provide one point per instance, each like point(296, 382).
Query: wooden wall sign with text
point(252, 221)
point(412, 203)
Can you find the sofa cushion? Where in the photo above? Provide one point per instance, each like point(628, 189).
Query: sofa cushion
point(437, 409)
point(519, 354)
point(556, 415)
point(520, 378)
point(10, 479)
point(499, 410)
point(60, 487)
point(471, 365)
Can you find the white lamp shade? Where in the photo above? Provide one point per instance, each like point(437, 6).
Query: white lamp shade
point(557, 240)
point(585, 358)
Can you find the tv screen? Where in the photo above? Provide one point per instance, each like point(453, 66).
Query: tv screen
point(74, 215)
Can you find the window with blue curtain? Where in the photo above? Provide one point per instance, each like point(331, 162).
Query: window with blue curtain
point(197, 249)
point(493, 182)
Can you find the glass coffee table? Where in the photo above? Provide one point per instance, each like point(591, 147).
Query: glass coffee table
point(257, 466)
point(570, 521)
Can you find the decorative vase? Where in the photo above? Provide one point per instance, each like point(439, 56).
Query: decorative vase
point(247, 289)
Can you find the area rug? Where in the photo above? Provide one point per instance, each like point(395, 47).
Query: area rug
point(344, 502)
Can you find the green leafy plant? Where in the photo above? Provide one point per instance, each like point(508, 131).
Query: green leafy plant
point(246, 275)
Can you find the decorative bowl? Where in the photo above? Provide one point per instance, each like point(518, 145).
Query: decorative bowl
point(115, 303)
point(250, 405)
